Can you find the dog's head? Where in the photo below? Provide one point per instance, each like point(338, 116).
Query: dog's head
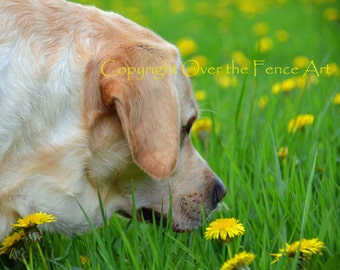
point(140, 134)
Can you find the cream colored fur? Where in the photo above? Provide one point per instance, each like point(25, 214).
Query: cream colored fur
point(67, 125)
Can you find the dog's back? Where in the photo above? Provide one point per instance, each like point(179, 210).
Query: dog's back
point(40, 101)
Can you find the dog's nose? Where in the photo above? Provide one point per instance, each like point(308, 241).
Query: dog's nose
point(219, 192)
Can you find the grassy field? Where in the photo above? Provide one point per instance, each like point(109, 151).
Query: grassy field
point(279, 59)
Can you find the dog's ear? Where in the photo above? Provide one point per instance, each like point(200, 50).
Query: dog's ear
point(146, 102)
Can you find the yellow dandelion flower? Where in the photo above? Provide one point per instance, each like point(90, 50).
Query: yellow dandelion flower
point(261, 29)
point(194, 66)
point(288, 85)
point(336, 99)
point(277, 256)
point(224, 229)
point(296, 82)
point(300, 122)
point(34, 219)
point(200, 95)
point(9, 242)
point(333, 70)
point(242, 259)
point(281, 35)
point(85, 261)
point(240, 59)
point(284, 86)
point(186, 46)
point(251, 8)
point(224, 14)
point(191, 71)
point(201, 60)
point(202, 124)
point(203, 8)
point(331, 14)
point(301, 61)
point(177, 6)
point(307, 248)
point(276, 88)
point(263, 101)
point(264, 44)
point(226, 81)
point(283, 152)
point(305, 82)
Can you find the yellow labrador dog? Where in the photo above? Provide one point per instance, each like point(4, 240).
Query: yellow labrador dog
point(90, 100)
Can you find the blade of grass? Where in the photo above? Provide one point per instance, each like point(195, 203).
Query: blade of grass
point(309, 192)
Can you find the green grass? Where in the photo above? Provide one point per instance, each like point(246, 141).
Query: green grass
point(277, 201)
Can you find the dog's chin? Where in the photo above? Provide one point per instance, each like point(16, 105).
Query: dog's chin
point(150, 215)
point(183, 224)
point(188, 226)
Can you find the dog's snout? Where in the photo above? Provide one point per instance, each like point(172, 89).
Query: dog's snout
point(219, 191)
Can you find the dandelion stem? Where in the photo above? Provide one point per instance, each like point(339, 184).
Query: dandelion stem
point(229, 250)
point(30, 254)
point(28, 267)
point(42, 256)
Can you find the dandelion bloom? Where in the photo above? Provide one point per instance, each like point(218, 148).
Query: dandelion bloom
point(240, 59)
point(240, 260)
point(283, 152)
point(10, 241)
point(251, 8)
point(300, 122)
point(333, 70)
point(202, 124)
point(281, 35)
point(264, 44)
point(261, 29)
point(200, 60)
point(304, 82)
point(306, 247)
point(85, 261)
point(200, 95)
point(301, 61)
point(296, 82)
point(331, 14)
point(263, 101)
point(224, 229)
point(186, 46)
point(191, 71)
point(177, 6)
point(336, 99)
point(284, 86)
point(226, 81)
point(34, 219)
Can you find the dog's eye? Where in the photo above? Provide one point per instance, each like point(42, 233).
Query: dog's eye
point(185, 130)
